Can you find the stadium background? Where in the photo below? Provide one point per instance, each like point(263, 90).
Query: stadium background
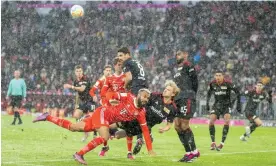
point(46, 44)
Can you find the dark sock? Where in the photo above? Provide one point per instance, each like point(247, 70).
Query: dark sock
point(151, 137)
point(95, 133)
point(212, 132)
point(253, 127)
point(14, 117)
point(18, 116)
point(224, 132)
point(191, 139)
point(184, 140)
point(139, 136)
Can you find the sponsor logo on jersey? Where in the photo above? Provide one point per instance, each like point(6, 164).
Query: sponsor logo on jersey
point(256, 100)
point(180, 68)
point(223, 87)
point(156, 111)
point(220, 93)
point(192, 69)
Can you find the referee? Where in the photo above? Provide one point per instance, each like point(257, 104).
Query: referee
point(17, 91)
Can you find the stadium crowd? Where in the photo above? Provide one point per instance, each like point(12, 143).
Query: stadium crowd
point(237, 37)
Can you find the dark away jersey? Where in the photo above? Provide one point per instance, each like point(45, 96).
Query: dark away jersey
point(186, 80)
point(84, 96)
point(222, 93)
point(157, 110)
point(138, 74)
point(253, 100)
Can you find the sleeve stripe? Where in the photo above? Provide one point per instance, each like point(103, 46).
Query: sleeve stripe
point(143, 124)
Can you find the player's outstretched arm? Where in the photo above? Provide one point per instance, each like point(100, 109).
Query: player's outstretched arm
point(143, 124)
point(166, 128)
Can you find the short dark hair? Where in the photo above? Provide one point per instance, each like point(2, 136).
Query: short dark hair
point(219, 71)
point(107, 66)
point(78, 67)
point(124, 50)
point(116, 61)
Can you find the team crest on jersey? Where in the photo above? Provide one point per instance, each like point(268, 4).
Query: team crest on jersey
point(223, 87)
point(115, 87)
point(167, 110)
point(156, 102)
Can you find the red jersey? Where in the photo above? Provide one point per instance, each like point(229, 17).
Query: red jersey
point(126, 110)
point(98, 86)
point(114, 83)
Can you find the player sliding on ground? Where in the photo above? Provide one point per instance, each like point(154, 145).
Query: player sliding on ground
point(254, 98)
point(159, 108)
point(128, 109)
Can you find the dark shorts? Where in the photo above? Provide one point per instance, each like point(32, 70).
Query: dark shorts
point(221, 110)
point(186, 108)
point(132, 128)
point(87, 107)
point(16, 101)
point(251, 115)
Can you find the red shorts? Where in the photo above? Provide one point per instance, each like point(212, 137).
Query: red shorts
point(96, 121)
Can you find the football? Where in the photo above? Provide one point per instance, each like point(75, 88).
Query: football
point(77, 11)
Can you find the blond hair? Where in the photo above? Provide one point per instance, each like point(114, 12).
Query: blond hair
point(171, 83)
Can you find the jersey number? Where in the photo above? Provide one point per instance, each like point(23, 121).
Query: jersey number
point(142, 73)
point(93, 107)
point(184, 110)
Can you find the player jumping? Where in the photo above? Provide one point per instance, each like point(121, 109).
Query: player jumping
point(135, 79)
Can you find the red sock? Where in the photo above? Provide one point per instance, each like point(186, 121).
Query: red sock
point(105, 143)
point(129, 143)
point(60, 122)
point(91, 145)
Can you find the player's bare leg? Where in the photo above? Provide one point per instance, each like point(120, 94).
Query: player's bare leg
point(212, 131)
point(77, 115)
point(256, 122)
point(103, 137)
point(122, 134)
point(227, 118)
point(182, 128)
